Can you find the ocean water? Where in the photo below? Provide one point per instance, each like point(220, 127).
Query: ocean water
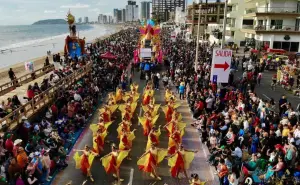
point(24, 43)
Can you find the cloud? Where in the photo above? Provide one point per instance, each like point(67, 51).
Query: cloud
point(76, 6)
point(94, 10)
point(50, 11)
point(102, 4)
point(20, 10)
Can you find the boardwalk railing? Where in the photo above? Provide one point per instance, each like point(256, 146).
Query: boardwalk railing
point(33, 106)
point(9, 86)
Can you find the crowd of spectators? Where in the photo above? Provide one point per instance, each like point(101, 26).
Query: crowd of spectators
point(249, 138)
point(39, 147)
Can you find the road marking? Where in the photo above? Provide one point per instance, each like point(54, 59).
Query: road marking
point(266, 96)
point(131, 176)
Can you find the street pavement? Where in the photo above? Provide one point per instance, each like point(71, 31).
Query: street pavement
point(265, 92)
point(129, 170)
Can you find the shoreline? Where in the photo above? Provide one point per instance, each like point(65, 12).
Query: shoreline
point(19, 68)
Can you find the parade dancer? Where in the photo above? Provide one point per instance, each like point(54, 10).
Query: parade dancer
point(149, 161)
point(180, 161)
point(126, 139)
point(153, 138)
point(84, 162)
point(112, 161)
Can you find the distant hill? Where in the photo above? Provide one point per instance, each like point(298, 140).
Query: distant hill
point(50, 21)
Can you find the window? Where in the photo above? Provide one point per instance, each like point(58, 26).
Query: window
point(276, 24)
point(276, 45)
point(288, 46)
point(294, 46)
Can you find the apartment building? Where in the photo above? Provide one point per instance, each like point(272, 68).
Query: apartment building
point(235, 22)
point(272, 24)
point(164, 9)
point(211, 17)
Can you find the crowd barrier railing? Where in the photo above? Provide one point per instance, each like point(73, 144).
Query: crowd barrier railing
point(9, 86)
point(13, 119)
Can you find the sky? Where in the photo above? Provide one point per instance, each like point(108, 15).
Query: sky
point(23, 12)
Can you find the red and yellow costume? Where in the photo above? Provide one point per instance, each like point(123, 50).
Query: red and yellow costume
point(153, 108)
point(127, 110)
point(111, 99)
point(197, 182)
point(148, 94)
point(124, 125)
point(152, 158)
point(174, 140)
point(107, 111)
point(170, 127)
point(112, 161)
point(180, 161)
point(98, 141)
point(126, 139)
point(153, 138)
point(134, 87)
point(169, 109)
point(84, 161)
point(147, 122)
point(119, 94)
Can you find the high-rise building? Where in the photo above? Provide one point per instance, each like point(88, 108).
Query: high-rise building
point(132, 11)
point(162, 8)
point(123, 15)
point(100, 19)
point(115, 15)
point(145, 10)
point(86, 19)
point(110, 19)
point(119, 16)
point(105, 19)
point(79, 20)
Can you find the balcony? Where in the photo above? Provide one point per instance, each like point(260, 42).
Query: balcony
point(282, 12)
point(281, 29)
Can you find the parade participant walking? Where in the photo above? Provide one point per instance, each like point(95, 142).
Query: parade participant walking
point(85, 161)
point(112, 161)
point(149, 161)
point(180, 161)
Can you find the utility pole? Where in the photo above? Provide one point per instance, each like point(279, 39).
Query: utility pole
point(193, 17)
point(224, 25)
point(197, 41)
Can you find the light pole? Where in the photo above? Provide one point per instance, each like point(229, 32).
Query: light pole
point(198, 33)
point(224, 26)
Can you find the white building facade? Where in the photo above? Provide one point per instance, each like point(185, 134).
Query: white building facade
point(180, 15)
point(274, 25)
point(132, 12)
point(235, 22)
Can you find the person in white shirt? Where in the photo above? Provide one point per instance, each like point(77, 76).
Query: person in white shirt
point(77, 97)
point(209, 104)
point(232, 179)
point(237, 152)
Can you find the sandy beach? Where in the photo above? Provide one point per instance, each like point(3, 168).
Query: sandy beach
point(19, 67)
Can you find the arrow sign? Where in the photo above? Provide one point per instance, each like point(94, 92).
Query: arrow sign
point(220, 66)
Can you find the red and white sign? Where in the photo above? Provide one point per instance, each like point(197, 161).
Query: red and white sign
point(220, 68)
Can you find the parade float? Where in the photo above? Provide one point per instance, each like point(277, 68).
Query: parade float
point(149, 46)
point(74, 46)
